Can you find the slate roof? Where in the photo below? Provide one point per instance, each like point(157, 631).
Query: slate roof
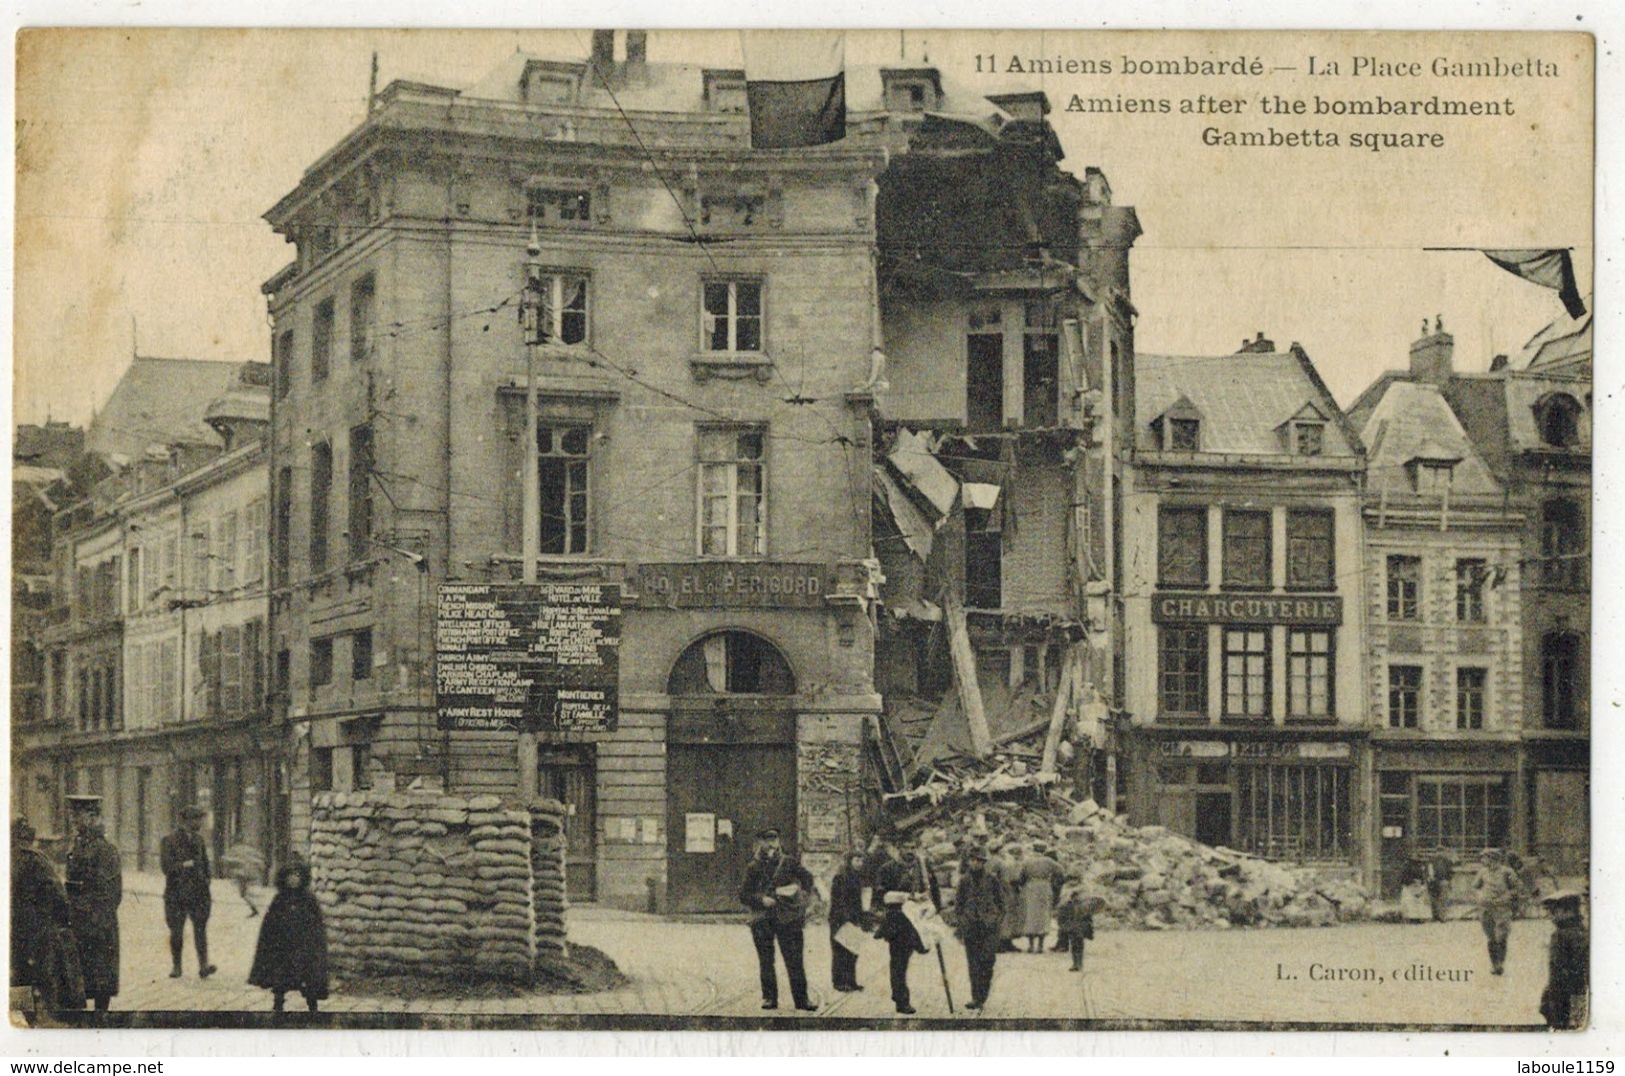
point(1243, 399)
point(1412, 420)
point(1563, 347)
point(1523, 391)
point(160, 402)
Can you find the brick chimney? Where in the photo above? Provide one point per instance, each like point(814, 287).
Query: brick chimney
point(603, 50)
point(1258, 344)
point(637, 47)
point(1431, 354)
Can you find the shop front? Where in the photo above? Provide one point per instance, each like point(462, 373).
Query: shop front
point(1559, 795)
point(1453, 797)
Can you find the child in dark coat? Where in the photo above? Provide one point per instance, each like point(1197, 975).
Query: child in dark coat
point(903, 941)
point(1076, 919)
point(292, 949)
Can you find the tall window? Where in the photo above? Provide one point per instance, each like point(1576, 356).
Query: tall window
point(280, 524)
point(1246, 672)
point(254, 556)
point(1562, 545)
point(1182, 671)
point(1309, 557)
point(133, 574)
point(1559, 419)
point(1182, 546)
point(284, 363)
point(733, 315)
point(1041, 365)
point(1464, 813)
point(560, 304)
point(1470, 698)
point(1309, 674)
point(321, 490)
point(984, 558)
point(733, 491)
point(563, 476)
point(1560, 679)
point(361, 654)
point(361, 314)
point(321, 661)
point(361, 468)
point(1246, 549)
point(984, 369)
point(1470, 577)
point(1404, 696)
point(1404, 587)
point(321, 340)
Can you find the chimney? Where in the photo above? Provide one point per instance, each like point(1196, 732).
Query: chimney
point(1259, 344)
point(637, 47)
point(1498, 363)
point(603, 50)
point(1431, 354)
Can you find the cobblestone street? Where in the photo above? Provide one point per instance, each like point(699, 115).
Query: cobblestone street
point(708, 969)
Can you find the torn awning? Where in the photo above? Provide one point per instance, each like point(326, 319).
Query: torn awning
point(911, 522)
point(913, 459)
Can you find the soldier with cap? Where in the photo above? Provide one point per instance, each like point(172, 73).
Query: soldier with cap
point(40, 935)
point(776, 890)
point(980, 901)
point(1498, 891)
point(184, 857)
point(1563, 1002)
point(95, 889)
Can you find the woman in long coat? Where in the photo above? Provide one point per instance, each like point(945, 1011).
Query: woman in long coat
point(1037, 883)
point(1008, 868)
point(95, 890)
point(845, 906)
point(292, 949)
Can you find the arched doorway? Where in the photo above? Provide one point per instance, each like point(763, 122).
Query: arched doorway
point(730, 764)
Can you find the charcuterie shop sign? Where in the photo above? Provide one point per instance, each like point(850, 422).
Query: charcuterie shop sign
point(1221, 608)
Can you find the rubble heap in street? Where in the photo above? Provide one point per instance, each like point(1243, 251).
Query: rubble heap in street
point(1147, 877)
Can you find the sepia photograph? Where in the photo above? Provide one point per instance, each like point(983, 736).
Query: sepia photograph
point(801, 530)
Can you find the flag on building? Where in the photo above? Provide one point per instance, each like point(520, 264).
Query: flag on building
point(795, 87)
point(1549, 268)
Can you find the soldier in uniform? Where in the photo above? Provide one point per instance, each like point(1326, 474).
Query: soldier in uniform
point(980, 901)
point(1499, 890)
point(95, 888)
point(775, 890)
point(184, 857)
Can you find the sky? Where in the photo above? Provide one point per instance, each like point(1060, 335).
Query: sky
point(145, 159)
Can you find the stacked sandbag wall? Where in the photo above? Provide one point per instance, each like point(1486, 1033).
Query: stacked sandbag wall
point(548, 846)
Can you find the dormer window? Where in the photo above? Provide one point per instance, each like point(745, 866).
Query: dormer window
point(1308, 438)
point(1557, 416)
point(911, 89)
point(1179, 429)
point(1184, 434)
point(725, 91)
point(1433, 476)
point(550, 83)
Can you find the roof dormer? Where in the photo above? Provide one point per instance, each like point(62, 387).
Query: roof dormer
point(1432, 469)
point(1179, 429)
point(911, 89)
point(550, 82)
point(1304, 434)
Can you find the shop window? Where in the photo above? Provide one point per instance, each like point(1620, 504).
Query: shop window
point(1465, 813)
point(1404, 696)
point(362, 293)
point(1560, 679)
point(1182, 546)
point(321, 340)
point(1562, 545)
point(1246, 672)
point(562, 471)
point(1470, 687)
point(361, 468)
point(984, 370)
point(321, 662)
point(1246, 549)
point(556, 309)
point(1293, 812)
point(1310, 561)
point(733, 491)
point(1041, 366)
point(1404, 587)
point(1182, 672)
point(732, 315)
point(321, 490)
point(1470, 577)
point(984, 559)
point(731, 663)
point(361, 654)
point(1309, 674)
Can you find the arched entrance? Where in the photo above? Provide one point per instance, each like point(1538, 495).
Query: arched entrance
point(730, 764)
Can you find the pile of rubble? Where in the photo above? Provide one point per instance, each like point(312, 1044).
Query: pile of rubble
point(1148, 877)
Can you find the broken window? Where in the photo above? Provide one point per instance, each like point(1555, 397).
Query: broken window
point(984, 556)
point(1470, 576)
point(1182, 546)
point(558, 302)
point(1404, 696)
point(1309, 674)
point(1470, 687)
point(984, 371)
point(733, 491)
point(1246, 549)
point(1464, 813)
point(1309, 559)
point(732, 315)
point(1182, 671)
point(1294, 812)
point(562, 473)
point(1041, 365)
point(731, 663)
point(1404, 587)
point(1246, 672)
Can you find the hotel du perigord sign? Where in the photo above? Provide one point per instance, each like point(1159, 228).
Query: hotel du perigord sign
point(1199, 608)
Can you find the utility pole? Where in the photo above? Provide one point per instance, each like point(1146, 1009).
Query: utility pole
point(532, 315)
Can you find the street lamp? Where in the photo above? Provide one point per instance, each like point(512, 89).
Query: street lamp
point(532, 315)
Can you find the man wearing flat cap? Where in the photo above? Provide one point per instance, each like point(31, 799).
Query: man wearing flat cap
point(1563, 1002)
point(1498, 891)
point(95, 890)
point(776, 890)
point(184, 857)
point(980, 901)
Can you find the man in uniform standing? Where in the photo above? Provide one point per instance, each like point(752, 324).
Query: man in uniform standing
point(1498, 892)
point(1563, 1003)
point(979, 903)
point(95, 889)
point(184, 857)
point(776, 889)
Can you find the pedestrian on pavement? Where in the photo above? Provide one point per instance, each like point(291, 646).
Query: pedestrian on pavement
point(1498, 888)
point(245, 866)
point(903, 941)
point(846, 909)
point(1563, 1002)
point(1413, 895)
point(1440, 873)
point(184, 857)
point(776, 889)
point(1008, 868)
point(95, 889)
point(979, 906)
point(1075, 915)
point(1037, 881)
point(291, 953)
point(44, 955)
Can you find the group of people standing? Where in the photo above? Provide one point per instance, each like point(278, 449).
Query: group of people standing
point(65, 937)
point(992, 907)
